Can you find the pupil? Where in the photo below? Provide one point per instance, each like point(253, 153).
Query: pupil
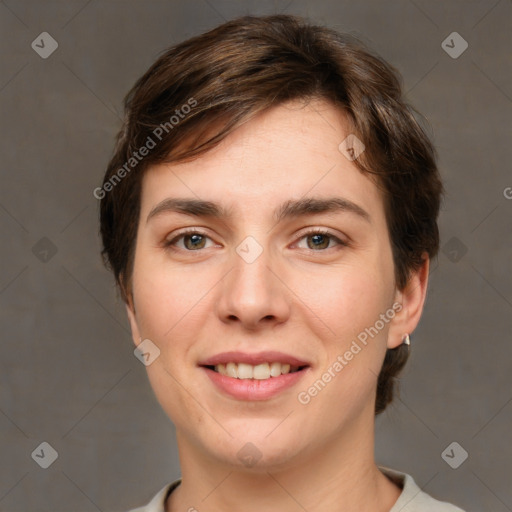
point(194, 239)
point(318, 239)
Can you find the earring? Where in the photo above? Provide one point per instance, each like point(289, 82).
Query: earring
point(406, 340)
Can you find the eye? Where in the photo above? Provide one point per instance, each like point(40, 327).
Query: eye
point(193, 240)
point(318, 240)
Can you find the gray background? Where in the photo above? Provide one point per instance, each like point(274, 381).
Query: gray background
point(68, 374)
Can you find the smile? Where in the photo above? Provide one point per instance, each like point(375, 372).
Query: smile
point(259, 372)
point(251, 377)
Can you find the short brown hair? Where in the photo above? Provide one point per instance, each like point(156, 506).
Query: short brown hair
point(230, 74)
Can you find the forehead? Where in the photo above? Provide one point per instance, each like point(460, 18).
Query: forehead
point(291, 151)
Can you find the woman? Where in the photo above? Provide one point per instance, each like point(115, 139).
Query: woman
point(269, 215)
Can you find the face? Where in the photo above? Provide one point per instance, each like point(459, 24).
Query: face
point(259, 306)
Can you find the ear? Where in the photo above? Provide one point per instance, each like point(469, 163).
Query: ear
point(130, 310)
point(412, 299)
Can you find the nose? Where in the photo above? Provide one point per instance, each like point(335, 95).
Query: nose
point(254, 293)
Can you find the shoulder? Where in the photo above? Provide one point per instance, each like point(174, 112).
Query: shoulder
point(157, 503)
point(413, 499)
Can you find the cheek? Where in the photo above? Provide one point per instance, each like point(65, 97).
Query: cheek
point(349, 303)
point(346, 299)
point(167, 298)
point(169, 304)
point(174, 393)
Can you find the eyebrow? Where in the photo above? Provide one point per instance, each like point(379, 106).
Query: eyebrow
point(289, 209)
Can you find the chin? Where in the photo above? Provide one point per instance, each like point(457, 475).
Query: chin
point(258, 453)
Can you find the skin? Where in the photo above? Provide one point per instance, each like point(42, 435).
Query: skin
point(295, 298)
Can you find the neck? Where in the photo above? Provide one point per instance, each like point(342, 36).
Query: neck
point(338, 475)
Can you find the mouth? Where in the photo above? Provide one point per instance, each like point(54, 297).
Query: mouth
point(261, 371)
point(254, 376)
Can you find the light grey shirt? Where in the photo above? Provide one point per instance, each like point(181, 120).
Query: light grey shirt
point(412, 499)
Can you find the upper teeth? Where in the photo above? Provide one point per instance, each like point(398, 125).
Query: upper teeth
point(260, 371)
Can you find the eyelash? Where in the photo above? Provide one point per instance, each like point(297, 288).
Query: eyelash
point(194, 231)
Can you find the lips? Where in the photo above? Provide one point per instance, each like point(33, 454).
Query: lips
point(254, 376)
